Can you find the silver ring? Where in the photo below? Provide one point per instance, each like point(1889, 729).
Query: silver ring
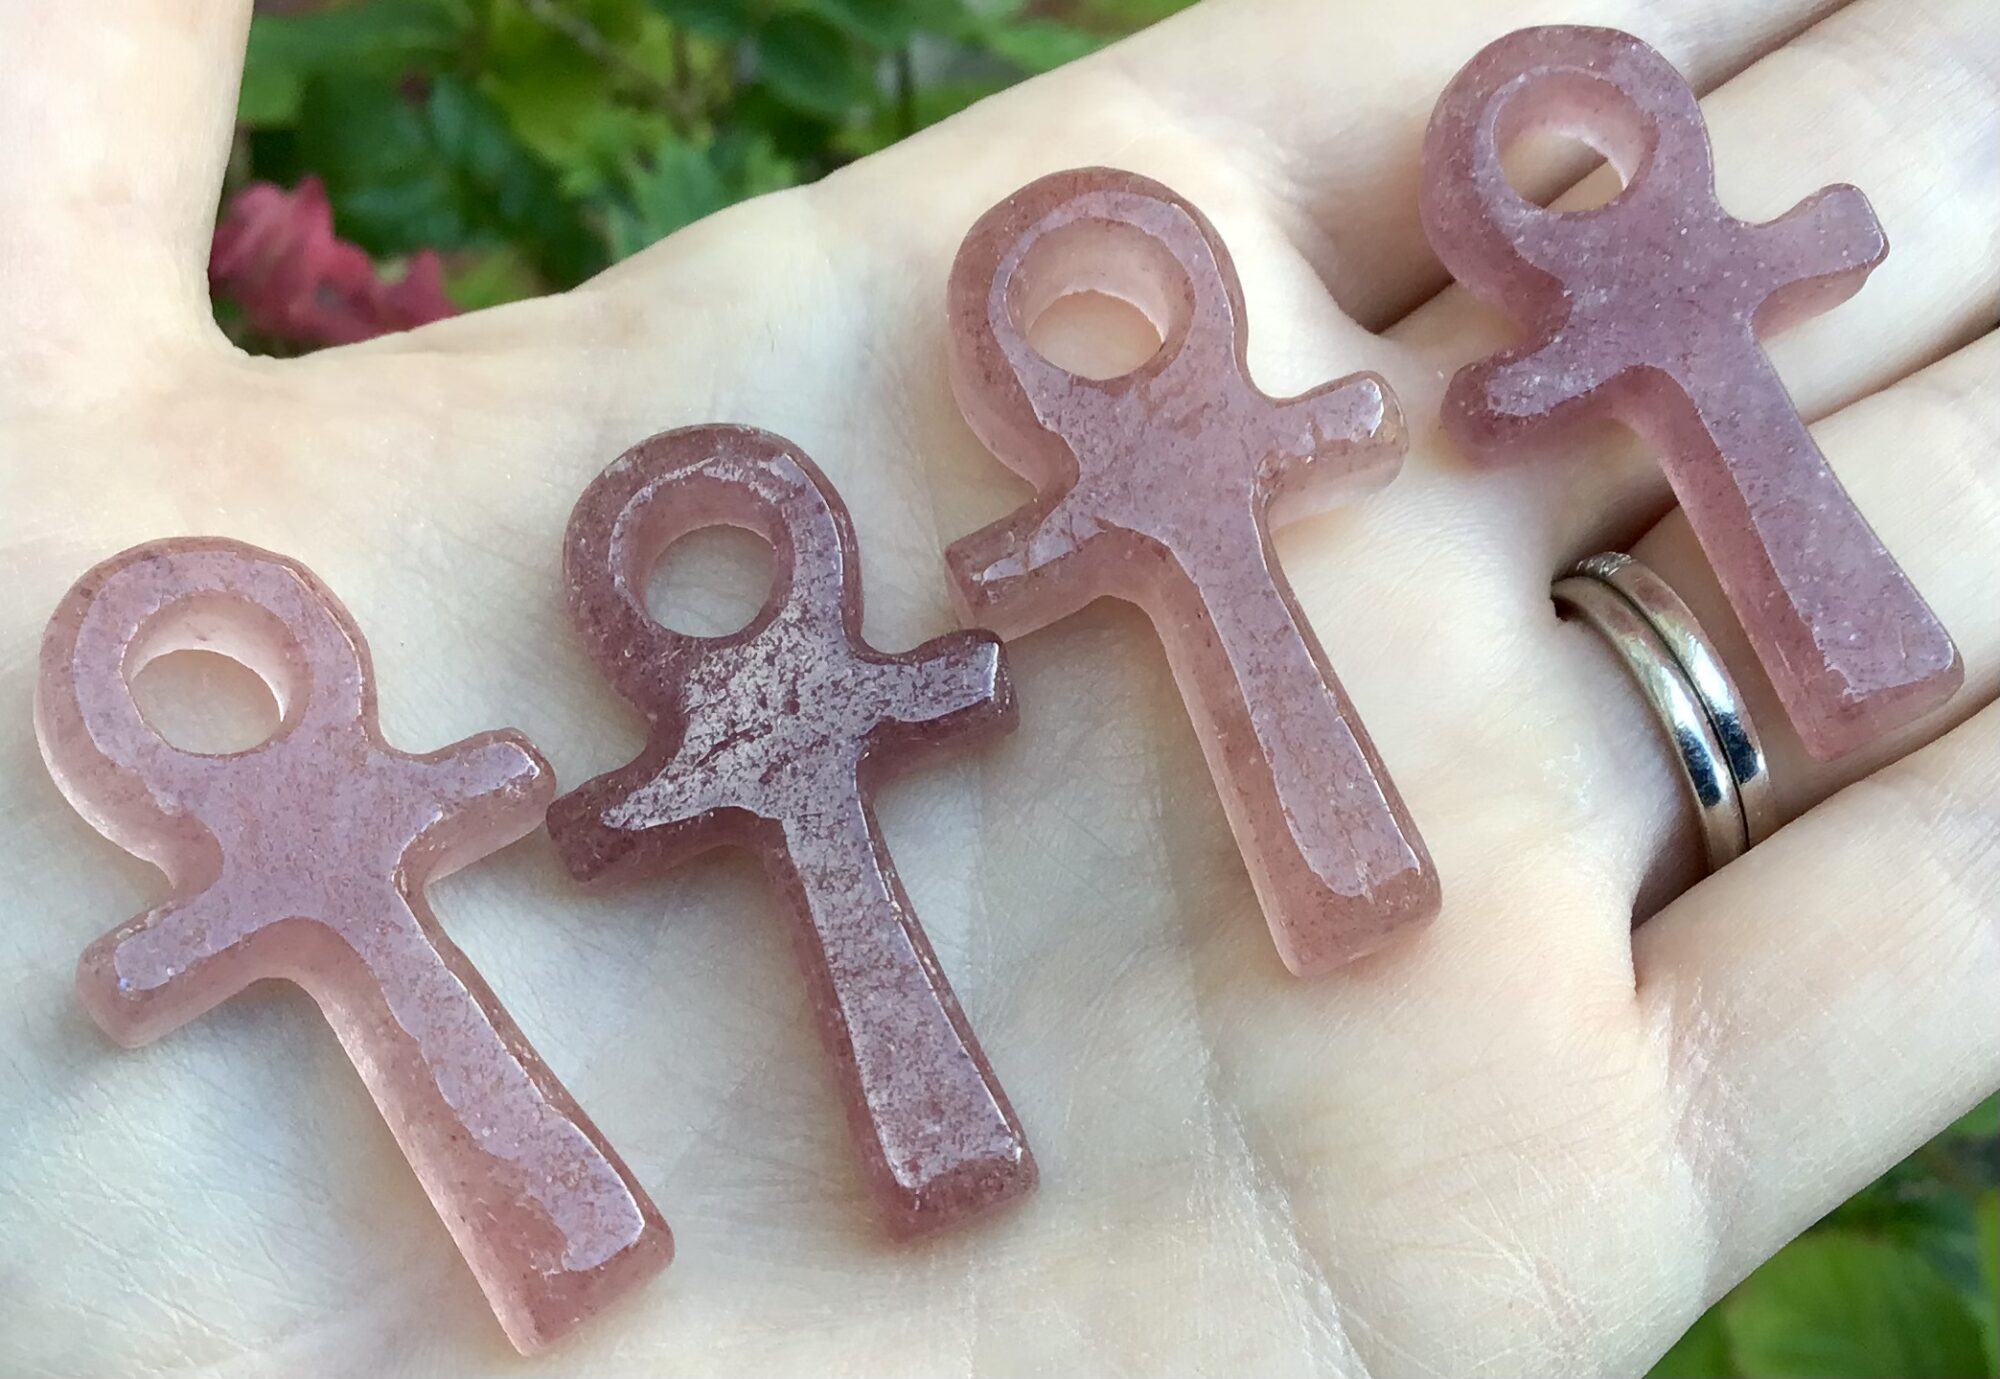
point(1690, 691)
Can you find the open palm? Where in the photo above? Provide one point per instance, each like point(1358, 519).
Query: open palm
point(1526, 1140)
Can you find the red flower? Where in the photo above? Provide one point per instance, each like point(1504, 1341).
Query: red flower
point(275, 255)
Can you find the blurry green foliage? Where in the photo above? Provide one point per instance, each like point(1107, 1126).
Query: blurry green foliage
point(534, 142)
point(1900, 1282)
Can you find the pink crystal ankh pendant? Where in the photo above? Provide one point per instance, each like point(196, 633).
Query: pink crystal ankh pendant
point(774, 738)
point(306, 858)
point(1649, 309)
point(1157, 487)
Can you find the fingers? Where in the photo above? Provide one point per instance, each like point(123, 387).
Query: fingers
point(1826, 1003)
point(1919, 459)
point(1891, 96)
point(1293, 124)
point(1338, 96)
point(114, 127)
point(1828, 1000)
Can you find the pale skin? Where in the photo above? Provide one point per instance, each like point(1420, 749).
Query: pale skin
point(1527, 1140)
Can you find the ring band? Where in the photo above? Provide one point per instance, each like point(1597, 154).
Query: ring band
point(1690, 692)
point(1674, 623)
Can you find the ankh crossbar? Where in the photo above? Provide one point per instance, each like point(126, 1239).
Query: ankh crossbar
point(1648, 309)
point(1159, 487)
point(774, 738)
point(306, 858)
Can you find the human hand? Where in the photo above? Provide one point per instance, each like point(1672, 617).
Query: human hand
point(1525, 1140)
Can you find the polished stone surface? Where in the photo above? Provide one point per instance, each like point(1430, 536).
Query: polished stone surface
point(306, 858)
point(773, 738)
point(1159, 487)
point(1648, 309)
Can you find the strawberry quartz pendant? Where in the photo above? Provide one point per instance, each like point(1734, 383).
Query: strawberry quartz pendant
point(1159, 487)
point(774, 738)
point(1648, 309)
point(305, 858)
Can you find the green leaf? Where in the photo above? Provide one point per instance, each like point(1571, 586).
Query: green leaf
point(889, 24)
point(491, 278)
point(934, 102)
point(383, 38)
point(1124, 16)
point(445, 172)
point(728, 20)
point(269, 96)
point(499, 184)
point(803, 138)
point(374, 152)
point(752, 166)
point(1702, 1353)
point(546, 92)
point(812, 66)
point(1910, 1206)
point(1926, 1203)
point(1834, 1305)
point(683, 182)
point(604, 147)
point(590, 112)
point(659, 49)
point(1981, 1123)
point(1039, 45)
point(679, 187)
point(1988, 1213)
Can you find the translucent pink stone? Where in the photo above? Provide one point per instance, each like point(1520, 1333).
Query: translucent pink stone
point(1158, 487)
point(305, 858)
point(1648, 309)
point(773, 738)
